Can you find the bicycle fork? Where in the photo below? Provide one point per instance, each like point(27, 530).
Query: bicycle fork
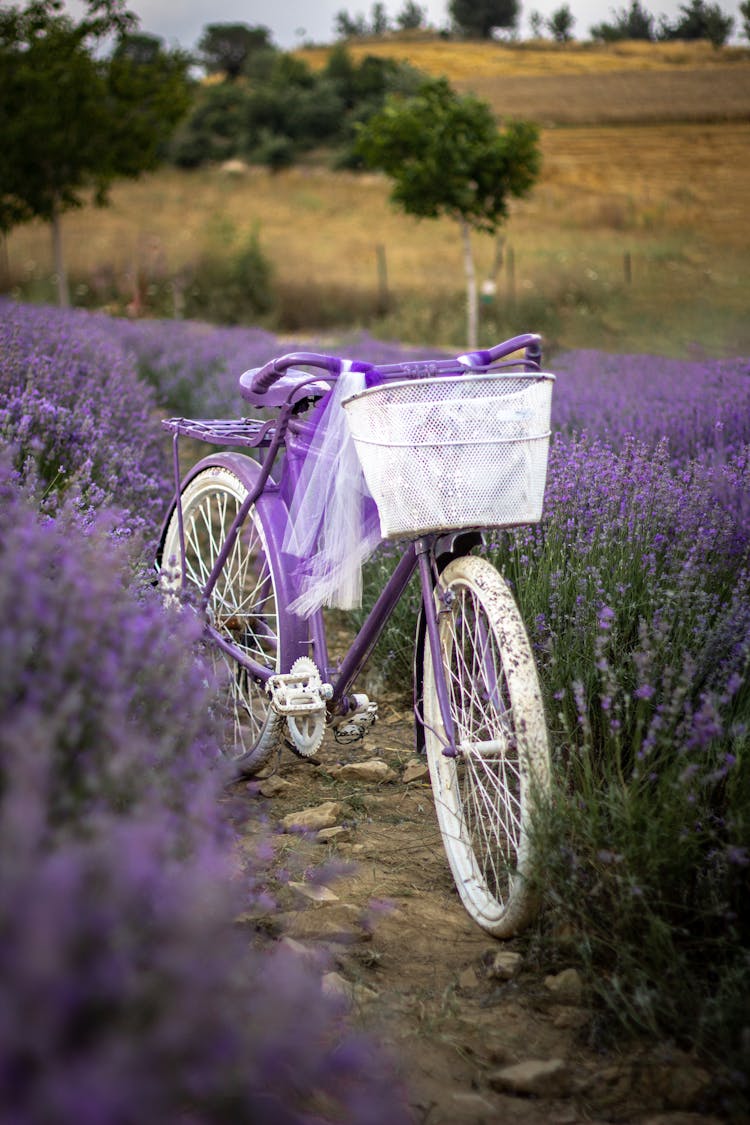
point(429, 584)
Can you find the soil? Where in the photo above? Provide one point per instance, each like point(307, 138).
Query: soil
point(418, 972)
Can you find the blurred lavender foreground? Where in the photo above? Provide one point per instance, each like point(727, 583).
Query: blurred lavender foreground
point(129, 995)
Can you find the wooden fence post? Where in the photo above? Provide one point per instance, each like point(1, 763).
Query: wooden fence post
point(383, 297)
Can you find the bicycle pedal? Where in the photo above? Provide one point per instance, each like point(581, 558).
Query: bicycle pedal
point(353, 726)
point(300, 691)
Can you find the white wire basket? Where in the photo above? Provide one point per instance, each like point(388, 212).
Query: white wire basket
point(453, 452)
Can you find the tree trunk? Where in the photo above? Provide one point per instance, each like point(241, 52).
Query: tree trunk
point(4, 266)
point(63, 292)
point(472, 302)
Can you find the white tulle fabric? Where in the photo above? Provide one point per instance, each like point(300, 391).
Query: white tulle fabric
point(329, 530)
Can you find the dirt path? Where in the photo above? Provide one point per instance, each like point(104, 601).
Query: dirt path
point(478, 1041)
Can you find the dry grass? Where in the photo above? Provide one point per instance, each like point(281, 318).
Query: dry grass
point(320, 226)
point(671, 196)
point(474, 59)
point(582, 83)
point(628, 96)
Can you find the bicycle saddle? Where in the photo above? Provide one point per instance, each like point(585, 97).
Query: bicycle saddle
point(292, 386)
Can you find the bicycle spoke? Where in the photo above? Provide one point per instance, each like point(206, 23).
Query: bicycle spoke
point(480, 794)
point(241, 606)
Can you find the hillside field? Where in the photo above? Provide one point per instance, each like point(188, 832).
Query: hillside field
point(636, 237)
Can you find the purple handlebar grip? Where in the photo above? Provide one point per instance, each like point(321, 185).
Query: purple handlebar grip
point(531, 342)
point(275, 368)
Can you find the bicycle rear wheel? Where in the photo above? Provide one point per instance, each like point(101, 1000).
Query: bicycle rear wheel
point(485, 797)
point(243, 607)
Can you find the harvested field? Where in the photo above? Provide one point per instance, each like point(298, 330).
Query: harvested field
point(613, 97)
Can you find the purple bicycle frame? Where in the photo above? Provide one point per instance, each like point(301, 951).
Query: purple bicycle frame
point(419, 554)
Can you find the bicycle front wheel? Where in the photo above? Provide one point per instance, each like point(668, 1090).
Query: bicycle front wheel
point(486, 795)
point(243, 607)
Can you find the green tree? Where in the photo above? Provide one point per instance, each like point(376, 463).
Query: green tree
point(479, 17)
point(446, 156)
point(411, 17)
point(349, 27)
point(380, 22)
point(560, 24)
point(224, 48)
point(75, 120)
point(536, 22)
point(699, 20)
point(629, 23)
point(745, 13)
point(212, 128)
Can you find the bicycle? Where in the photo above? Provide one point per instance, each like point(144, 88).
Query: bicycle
point(232, 538)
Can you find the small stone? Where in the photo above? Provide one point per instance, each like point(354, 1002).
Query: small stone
point(374, 770)
point(505, 965)
point(338, 922)
point(673, 1078)
point(337, 833)
point(312, 819)
point(315, 892)
point(468, 978)
point(570, 1017)
point(415, 770)
point(273, 786)
point(568, 1115)
point(233, 167)
point(533, 1077)
point(305, 952)
point(334, 984)
point(473, 1103)
point(566, 987)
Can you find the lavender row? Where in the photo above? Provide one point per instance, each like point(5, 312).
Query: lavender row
point(700, 407)
point(80, 424)
point(130, 994)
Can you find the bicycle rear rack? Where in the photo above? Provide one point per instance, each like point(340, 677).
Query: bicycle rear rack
point(255, 432)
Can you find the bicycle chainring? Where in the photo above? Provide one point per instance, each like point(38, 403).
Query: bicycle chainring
point(306, 731)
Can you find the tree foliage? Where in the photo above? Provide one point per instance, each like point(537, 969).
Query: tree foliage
point(349, 27)
point(699, 20)
point(479, 17)
point(225, 48)
point(75, 120)
point(445, 155)
point(560, 24)
point(628, 23)
point(411, 17)
point(288, 109)
point(745, 13)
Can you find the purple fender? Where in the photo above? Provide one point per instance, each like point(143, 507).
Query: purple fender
point(270, 508)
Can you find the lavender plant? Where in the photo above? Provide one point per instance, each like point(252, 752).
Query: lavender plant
point(80, 422)
point(130, 995)
point(699, 408)
point(636, 587)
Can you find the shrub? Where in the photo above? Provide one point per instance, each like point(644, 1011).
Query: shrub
point(636, 589)
point(232, 286)
point(78, 419)
point(130, 995)
point(99, 687)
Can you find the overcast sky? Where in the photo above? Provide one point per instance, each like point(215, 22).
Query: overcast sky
point(292, 22)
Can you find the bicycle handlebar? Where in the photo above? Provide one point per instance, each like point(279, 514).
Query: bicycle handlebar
point(267, 375)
